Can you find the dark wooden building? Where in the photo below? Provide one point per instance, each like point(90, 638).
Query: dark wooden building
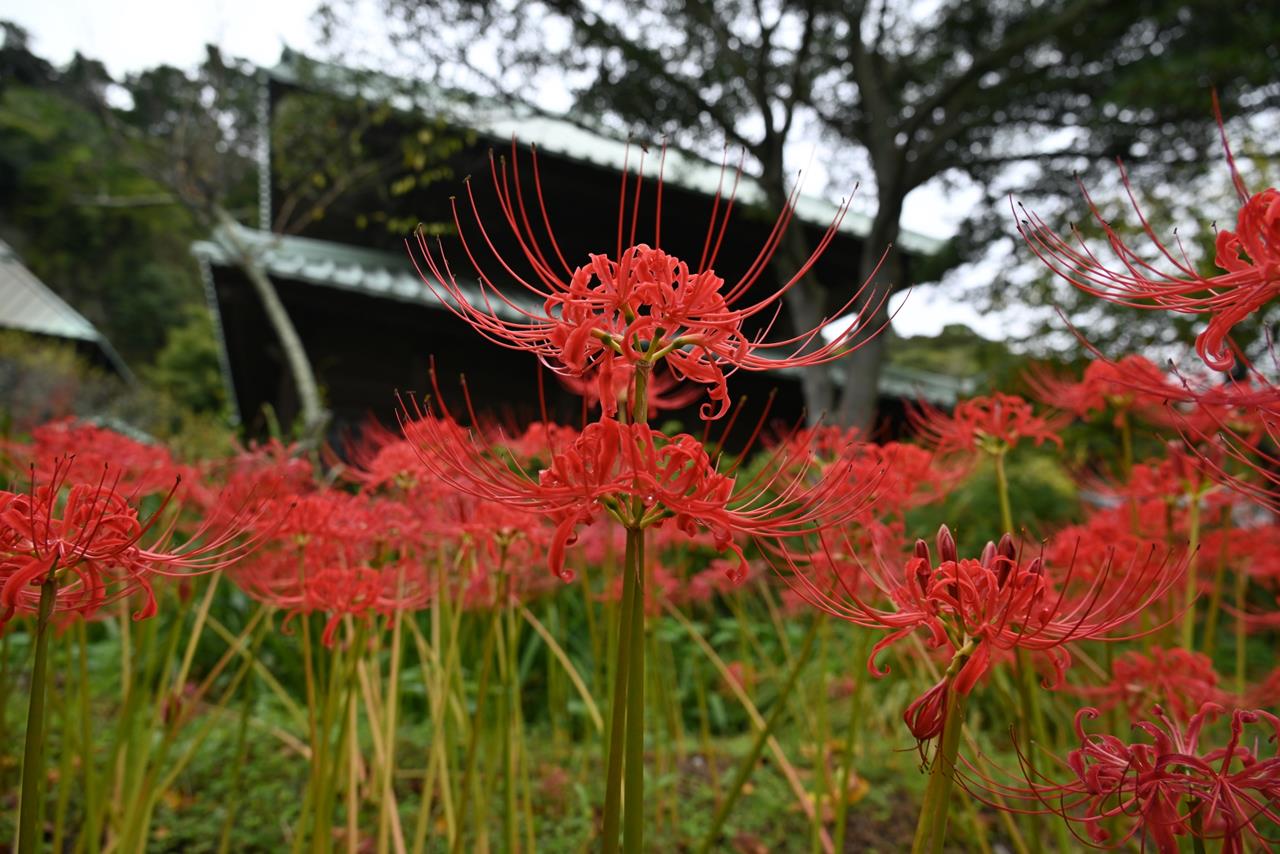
point(370, 325)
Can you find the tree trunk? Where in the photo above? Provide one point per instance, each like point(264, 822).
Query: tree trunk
point(314, 415)
point(857, 405)
point(807, 300)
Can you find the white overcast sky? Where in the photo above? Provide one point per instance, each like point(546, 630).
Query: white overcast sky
point(128, 35)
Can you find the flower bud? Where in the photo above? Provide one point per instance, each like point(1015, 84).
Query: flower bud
point(946, 546)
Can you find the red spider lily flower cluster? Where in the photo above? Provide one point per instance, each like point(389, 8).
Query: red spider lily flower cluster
point(1118, 535)
point(1249, 258)
point(906, 475)
point(642, 478)
point(1181, 473)
point(991, 424)
point(1000, 602)
point(1176, 679)
point(79, 451)
point(1236, 441)
point(339, 554)
point(90, 537)
point(1132, 383)
point(1165, 784)
point(640, 307)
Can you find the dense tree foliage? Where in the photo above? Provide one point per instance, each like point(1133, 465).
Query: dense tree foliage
point(95, 228)
point(105, 184)
point(901, 95)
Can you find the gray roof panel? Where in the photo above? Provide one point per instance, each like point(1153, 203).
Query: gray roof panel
point(26, 303)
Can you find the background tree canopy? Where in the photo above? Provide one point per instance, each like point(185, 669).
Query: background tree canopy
point(898, 94)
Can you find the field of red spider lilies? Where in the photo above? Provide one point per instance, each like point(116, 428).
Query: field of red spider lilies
point(604, 636)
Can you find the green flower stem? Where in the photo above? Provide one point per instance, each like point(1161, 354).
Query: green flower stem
point(633, 785)
point(1189, 597)
point(92, 833)
point(822, 786)
point(1197, 826)
point(473, 737)
point(509, 698)
point(33, 750)
point(618, 706)
point(388, 814)
point(852, 731)
point(1241, 595)
point(66, 772)
point(1002, 491)
point(748, 763)
point(931, 830)
point(240, 754)
point(705, 744)
point(1208, 642)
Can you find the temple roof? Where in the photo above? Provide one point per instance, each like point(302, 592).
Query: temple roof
point(27, 304)
point(390, 275)
point(572, 137)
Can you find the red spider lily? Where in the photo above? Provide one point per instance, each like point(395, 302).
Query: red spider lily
point(1236, 443)
point(642, 478)
point(1203, 408)
point(358, 592)
point(91, 541)
point(1133, 383)
point(1178, 680)
point(380, 461)
point(992, 424)
point(638, 307)
point(269, 471)
point(907, 475)
point(1180, 474)
point(999, 602)
point(535, 445)
point(1118, 535)
point(1165, 785)
point(1253, 550)
point(79, 451)
point(1266, 692)
point(1248, 257)
point(341, 554)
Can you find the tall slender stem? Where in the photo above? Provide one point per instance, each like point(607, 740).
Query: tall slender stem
point(633, 787)
point(33, 750)
point(1207, 641)
point(1241, 595)
point(931, 831)
point(473, 736)
point(510, 696)
point(1002, 491)
point(618, 705)
point(1193, 577)
point(852, 732)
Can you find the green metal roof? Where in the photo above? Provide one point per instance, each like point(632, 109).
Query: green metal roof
point(390, 275)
